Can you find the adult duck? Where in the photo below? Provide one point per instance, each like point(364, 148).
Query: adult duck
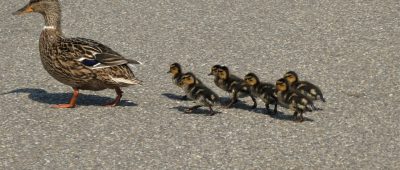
point(81, 63)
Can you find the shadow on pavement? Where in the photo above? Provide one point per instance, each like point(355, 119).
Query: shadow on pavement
point(174, 96)
point(202, 110)
point(43, 96)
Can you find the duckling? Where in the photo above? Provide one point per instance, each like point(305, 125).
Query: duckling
point(263, 90)
point(198, 93)
point(81, 63)
point(234, 85)
point(292, 99)
point(176, 70)
point(306, 88)
point(214, 72)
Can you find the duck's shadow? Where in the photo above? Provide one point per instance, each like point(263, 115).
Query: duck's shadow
point(261, 110)
point(42, 96)
point(199, 111)
point(173, 96)
point(239, 105)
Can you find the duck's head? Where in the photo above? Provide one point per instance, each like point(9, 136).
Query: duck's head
point(291, 77)
point(223, 72)
point(40, 6)
point(187, 79)
point(214, 70)
point(175, 69)
point(251, 79)
point(281, 85)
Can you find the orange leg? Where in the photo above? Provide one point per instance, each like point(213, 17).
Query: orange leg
point(117, 99)
point(72, 102)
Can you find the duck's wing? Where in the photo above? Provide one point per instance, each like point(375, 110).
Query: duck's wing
point(93, 54)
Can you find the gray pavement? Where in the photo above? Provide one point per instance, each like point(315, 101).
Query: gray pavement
point(350, 48)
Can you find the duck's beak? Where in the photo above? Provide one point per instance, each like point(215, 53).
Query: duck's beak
point(210, 74)
point(24, 10)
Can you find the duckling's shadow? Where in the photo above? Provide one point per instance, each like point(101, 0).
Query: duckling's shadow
point(200, 111)
point(261, 110)
point(42, 96)
point(287, 117)
point(240, 105)
point(173, 96)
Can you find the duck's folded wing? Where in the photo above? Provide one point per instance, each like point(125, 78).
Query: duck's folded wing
point(93, 54)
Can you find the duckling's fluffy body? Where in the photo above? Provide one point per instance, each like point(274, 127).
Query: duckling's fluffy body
point(175, 70)
point(304, 87)
point(198, 92)
point(232, 84)
point(262, 90)
point(292, 99)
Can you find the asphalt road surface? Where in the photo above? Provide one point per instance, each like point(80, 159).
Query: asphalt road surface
point(350, 48)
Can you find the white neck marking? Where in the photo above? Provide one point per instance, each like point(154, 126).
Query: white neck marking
point(49, 27)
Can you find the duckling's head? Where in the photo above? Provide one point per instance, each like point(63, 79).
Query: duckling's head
point(175, 69)
point(214, 70)
point(291, 77)
point(43, 7)
point(187, 79)
point(281, 84)
point(251, 79)
point(223, 72)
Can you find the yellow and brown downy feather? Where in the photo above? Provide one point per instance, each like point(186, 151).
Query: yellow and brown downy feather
point(198, 92)
point(78, 62)
point(306, 88)
point(176, 70)
point(292, 99)
point(233, 85)
point(263, 90)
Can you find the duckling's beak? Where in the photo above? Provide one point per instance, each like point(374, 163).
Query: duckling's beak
point(210, 74)
point(169, 71)
point(24, 10)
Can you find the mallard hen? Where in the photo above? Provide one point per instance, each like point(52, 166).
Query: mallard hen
point(81, 63)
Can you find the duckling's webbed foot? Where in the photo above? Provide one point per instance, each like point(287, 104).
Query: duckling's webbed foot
point(298, 118)
point(211, 113)
point(254, 102)
point(295, 116)
point(315, 108)
point(267, 110)
point(72, 102)
point(233, 101)
point(301, 117)
point(117, 99)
